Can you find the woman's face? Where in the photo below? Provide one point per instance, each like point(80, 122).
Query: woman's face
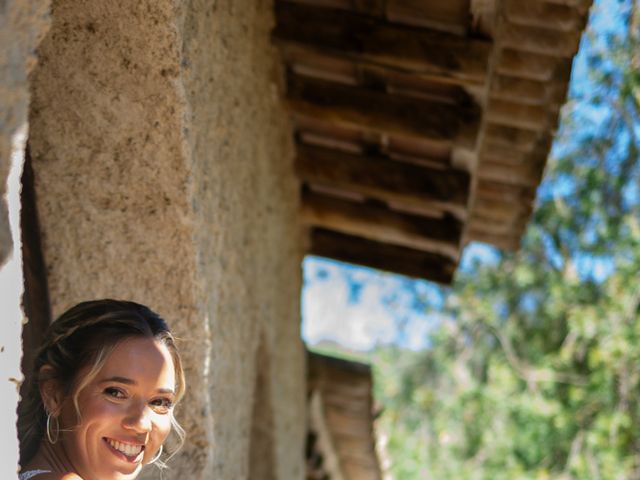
point(125, 412)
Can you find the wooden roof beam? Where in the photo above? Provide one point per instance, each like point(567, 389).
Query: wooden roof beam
point(379, 223)
point(581, 5)
point(356, 471)
point(527, 91)
point(390, 258)
point(517, 63)
point(541, 40)
point(382, 43)
point(376, 176)
point(353, 107)
point(378, 111)
point(506, 212)
point(514, 194)
point(526, 174)
point(508, 113)
point(510, 137)
point(538, 13)
point(336, 66)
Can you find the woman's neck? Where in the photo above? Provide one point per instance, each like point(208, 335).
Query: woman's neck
point(50, 457)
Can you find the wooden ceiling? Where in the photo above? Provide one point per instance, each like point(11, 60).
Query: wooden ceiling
point(422, 125)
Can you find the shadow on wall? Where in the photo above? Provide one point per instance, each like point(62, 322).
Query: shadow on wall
point(261, 454)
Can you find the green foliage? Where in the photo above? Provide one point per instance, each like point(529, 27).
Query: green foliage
point(534, 370)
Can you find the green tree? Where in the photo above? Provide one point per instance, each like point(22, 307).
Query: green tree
point(534, 370)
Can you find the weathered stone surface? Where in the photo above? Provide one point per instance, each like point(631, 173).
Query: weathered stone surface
point(249, 250)
point(163, 166)
point(113, 171)
point(22, 24)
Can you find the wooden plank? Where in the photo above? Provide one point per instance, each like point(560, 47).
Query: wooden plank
point(380, 42)
point(349, 403)
point(340, 423)
point(581, 5)
point(356, 471)
point(377, 222)
point(490, 227)
point(449, 16)
point(501, 211)
point(389, 258)
point(525, 174)
point(544, 14)
point(377, 111)
point(307, 61)
point(510, 137)
point(503, 153)
point(360, 467)
point(492, 190)
point(356, 392)
point(369, 7)
point(378, 177)
point(355, 447)
point(524, 64)
point(545, 41)
point(512, 114)
point(522, 90)
point(345, 68)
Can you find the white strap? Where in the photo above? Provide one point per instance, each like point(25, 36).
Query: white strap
point(31, 473)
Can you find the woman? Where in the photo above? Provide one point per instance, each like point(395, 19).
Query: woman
point(100, 403)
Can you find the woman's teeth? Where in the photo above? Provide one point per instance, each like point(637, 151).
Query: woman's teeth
point(127, 449)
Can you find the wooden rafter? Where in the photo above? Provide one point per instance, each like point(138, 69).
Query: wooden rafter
point(376, 176)
point(378, 222)
point(412, 117)
point(389, 258)
point(379, 111)
point(374, 40)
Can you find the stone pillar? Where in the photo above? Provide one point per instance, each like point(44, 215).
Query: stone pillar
point(163, 172)
point(22, 24)
point(250, 251)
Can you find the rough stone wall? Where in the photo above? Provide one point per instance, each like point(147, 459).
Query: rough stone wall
point(22, 24)
point(163, 166)
point(250, 252)
point(112, 171)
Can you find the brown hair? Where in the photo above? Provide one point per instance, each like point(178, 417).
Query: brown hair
point(84, 336)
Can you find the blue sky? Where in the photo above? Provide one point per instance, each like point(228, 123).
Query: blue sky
point(360, 307)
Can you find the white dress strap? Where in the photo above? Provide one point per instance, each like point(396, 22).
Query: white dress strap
point(31, 473)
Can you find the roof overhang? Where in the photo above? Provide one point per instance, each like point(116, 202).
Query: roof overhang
point(423, 125)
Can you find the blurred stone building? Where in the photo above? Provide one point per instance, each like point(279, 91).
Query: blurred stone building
point(186, 155)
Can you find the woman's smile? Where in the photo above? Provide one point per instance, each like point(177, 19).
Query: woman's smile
point(131, 453)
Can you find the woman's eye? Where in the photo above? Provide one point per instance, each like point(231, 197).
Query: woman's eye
point(162, 405)
point(114, 392)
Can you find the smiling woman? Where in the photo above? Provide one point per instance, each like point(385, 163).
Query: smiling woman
point(100, 403)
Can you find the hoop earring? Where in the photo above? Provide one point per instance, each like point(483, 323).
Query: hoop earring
point(157, 456)
point(52, 439)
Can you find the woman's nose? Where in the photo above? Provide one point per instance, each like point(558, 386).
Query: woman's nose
point(138, 418)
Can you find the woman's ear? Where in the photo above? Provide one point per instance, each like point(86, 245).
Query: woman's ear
point(50, 391)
